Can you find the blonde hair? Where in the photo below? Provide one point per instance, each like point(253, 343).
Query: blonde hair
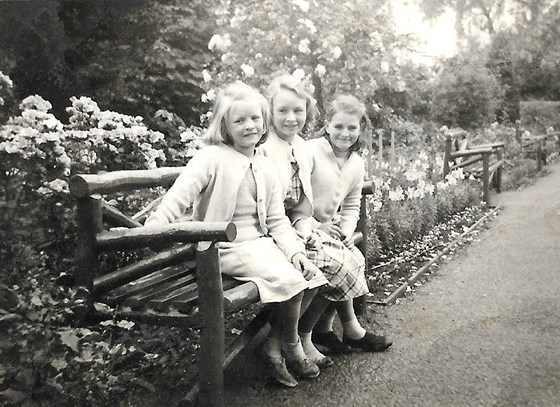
point(300, 88)
point(217, 132)
point(350, 105)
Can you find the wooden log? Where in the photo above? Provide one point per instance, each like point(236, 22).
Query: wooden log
point(466, 163)
point(187, 300)
point(494, 146)
point(499, 170)
point(143, 267)
point(153, 318)
point(116, 218)
point(211, 352)
point(469, 153)
point(360, 306)
point(89, 219)
point(447, 155)
point(238, 297)
point(247, 335)
point(150, 281)
point(539, 157)
point(486, 177)
point(141, 299)
point(81, 185)
point(184, 232)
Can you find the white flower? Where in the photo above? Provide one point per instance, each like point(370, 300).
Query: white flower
point(302, 4)
point(206, 76)
point(320, 70)
point(308, 24)
point(220, 43)
point(208, 96)
point(397, 194)
point(400, 86)
point(248, 70)
point(376, 42)
point(303, 46)
point(336, 52)
point(385, 67)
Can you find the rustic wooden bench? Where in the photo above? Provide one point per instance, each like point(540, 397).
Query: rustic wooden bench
point(178, 286)
point(535, 147)
point(483, 161)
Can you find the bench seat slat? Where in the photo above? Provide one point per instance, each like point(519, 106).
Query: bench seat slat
point(151, 280)
point(141, 268)
point(187, 300)
point(139, 300)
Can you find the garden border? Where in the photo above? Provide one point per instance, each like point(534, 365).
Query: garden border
point(399, 292)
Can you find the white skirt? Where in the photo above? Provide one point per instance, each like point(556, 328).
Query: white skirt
point(262, 262)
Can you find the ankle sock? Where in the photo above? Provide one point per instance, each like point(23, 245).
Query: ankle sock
point(293, 350)
point(309, 348)
point(353, 330)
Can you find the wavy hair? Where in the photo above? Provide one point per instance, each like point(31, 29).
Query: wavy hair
point(217, 132)
point(300, 88)
point(350, 105)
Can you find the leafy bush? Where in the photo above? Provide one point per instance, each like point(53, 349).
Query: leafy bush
point(466, 95)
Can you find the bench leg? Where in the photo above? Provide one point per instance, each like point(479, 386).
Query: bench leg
point(211, 308)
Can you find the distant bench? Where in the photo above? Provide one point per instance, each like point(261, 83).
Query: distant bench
point(180, 285)
point(483, 161)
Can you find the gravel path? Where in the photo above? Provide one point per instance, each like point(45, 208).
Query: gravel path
point(484, 331)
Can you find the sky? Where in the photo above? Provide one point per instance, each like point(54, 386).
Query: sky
point(436, 39)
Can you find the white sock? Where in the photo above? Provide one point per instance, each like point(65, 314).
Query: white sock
point(309, 348)
point(352, 329)
point(293, 351)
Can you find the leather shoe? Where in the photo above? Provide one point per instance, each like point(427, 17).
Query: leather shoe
point(330, 341)
point(324, 362)
point(369, 343)
point(305, 368)
point(279, 371)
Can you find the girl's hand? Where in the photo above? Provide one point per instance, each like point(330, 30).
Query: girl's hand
point(303, 264)
point(348, 242)
point(331, 229)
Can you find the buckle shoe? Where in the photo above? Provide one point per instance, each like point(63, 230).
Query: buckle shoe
point(369, 343)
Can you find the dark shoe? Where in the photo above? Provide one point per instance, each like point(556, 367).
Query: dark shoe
point(330, 341)
point(369, 343)
point(305, 368)
point(279, 371)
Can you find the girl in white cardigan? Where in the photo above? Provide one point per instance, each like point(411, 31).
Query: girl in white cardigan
point(225, 181)
point(336, 180)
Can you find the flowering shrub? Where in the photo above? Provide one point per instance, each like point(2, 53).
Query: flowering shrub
point(410, 198)
point(38, 153)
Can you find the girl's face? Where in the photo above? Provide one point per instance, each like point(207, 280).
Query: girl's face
point(245, 124)
point(344, 130)
point(288, 114)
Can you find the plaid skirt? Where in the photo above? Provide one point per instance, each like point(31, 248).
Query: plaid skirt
point(344, 268)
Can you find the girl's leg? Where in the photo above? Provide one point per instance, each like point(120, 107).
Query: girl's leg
point(325, 323)
point(354, 334)
point(308, 296)
point(306, 324)
point(292, 350)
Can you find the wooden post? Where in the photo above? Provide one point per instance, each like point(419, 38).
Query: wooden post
point(393, 154)
point(447, 155)
point(360, 306)
point(539, 156)
point(500, 157)
point(486, 177)
point(544, 150)
point(90, 222)
point(380, 153)
point(211, 308)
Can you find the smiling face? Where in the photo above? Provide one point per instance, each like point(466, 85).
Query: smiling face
point(344, 130)
point(245, 126)
point(288, 114)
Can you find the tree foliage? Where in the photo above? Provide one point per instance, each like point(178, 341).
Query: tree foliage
point(135, 57)
point(340, 46)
